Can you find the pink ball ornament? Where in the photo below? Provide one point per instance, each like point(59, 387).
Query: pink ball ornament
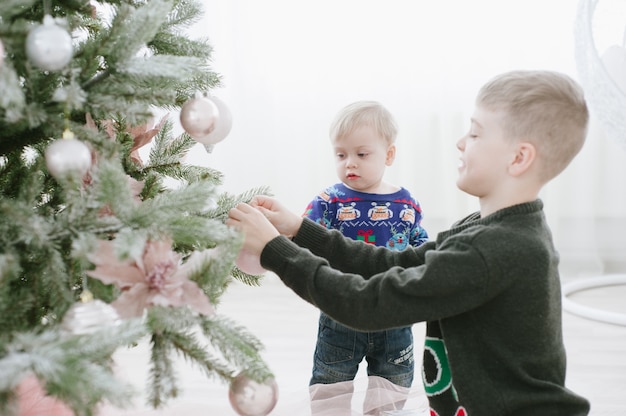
point(249, 263)
point(249, 398)
point(68, 157)
point(198, 116)
point(49, 46)
point(223, 124)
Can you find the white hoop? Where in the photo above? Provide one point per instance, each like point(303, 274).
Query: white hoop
point(589, 312)
point(605, 99)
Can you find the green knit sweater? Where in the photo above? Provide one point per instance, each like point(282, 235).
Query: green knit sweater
point(488, 288)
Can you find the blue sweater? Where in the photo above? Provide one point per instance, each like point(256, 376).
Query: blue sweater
point(389, 220)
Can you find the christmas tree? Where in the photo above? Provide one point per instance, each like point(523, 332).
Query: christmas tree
point(99, 248)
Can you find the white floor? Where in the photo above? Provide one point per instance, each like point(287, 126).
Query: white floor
point(287, 326)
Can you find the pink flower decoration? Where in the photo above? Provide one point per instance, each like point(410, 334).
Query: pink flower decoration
point(157, 278)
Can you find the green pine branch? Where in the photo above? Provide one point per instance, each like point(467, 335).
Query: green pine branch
point(124, 66)
point(237, 345)
point(74, 368)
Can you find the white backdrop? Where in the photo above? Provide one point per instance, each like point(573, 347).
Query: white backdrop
point(288, 66)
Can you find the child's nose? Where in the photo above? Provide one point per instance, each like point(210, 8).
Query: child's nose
point(460, 144)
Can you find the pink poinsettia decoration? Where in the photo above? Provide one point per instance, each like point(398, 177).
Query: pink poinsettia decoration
point(157, 278)
point(142, 135)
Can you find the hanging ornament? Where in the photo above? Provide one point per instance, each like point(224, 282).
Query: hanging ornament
point(249, 398)
point(249, 263)
point(89, 315)
point(223, 124)
point(49, 46)
point(68, 157)
point(198, 116)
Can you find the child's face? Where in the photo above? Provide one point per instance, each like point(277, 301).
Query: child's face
point(486, 153)
point(361, 158)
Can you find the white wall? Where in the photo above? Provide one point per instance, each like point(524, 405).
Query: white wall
point(288, 66)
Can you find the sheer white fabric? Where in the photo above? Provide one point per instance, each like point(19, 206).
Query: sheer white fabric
point(372, 396)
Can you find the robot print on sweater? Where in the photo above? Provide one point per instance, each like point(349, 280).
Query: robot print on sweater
point(384, 220)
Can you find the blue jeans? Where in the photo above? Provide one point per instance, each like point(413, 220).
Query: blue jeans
point(340, 350)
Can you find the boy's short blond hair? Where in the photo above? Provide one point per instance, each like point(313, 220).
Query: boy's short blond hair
point(544, 108)
point(364, 113)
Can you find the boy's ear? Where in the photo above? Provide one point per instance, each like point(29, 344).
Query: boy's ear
point(391, 155)
point(525, 155)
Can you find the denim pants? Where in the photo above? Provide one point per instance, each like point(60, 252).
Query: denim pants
point(340, 350)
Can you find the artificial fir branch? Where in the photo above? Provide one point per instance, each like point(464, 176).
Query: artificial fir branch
point(132, 28)
point(165, 158)
point(96, 79)
point(167, 149)
point(227, 201)
point(223, 333)
point(246, 278)
point(11, 8)
point(157, 212)
point(162, 376)
point(76, 368)
point(214, 276)
point(130, 57)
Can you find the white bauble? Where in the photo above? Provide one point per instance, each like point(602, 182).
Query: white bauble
point(223, 124)
point(68, 157)
point(197, 116)
point(89, 317)
point(49, 46)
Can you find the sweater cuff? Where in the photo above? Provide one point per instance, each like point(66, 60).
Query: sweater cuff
point(310, 234)
point(276, 252)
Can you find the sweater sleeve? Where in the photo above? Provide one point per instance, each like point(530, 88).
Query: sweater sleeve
point(413, 285)
point(353, 256)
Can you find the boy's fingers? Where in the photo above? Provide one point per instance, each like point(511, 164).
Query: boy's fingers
point(266, 212)
point(236, 212)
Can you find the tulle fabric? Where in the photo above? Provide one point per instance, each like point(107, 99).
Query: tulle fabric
point(371, 396)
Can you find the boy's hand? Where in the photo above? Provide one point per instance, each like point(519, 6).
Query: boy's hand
point(286, 222)
point(256, 227)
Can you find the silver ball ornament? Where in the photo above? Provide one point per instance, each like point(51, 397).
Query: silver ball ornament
point(249, 398)
point(68, 157)
point(223, 124)
point(87, 317)
point(49, 46)
point(197, 116)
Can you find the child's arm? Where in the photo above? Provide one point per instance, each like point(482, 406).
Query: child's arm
point(337, 249)
point(263, 222)
point(399, 295)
